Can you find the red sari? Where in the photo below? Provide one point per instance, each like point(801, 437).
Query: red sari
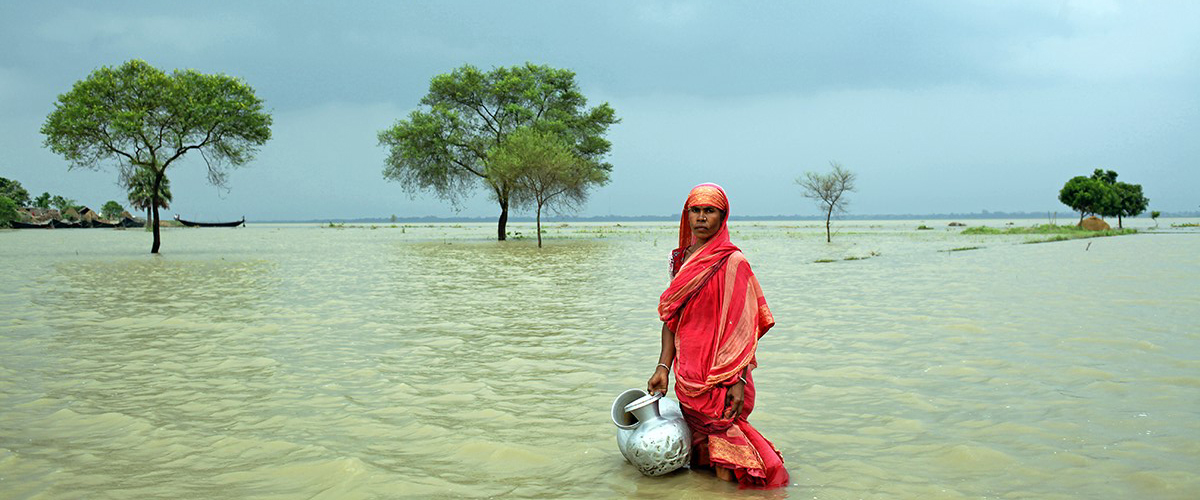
point(717, 311)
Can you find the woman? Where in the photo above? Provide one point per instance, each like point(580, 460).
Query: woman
point(713, 314)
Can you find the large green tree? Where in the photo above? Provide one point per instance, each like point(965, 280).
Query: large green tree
point(143, 119)
point(445, 147)
point(544, 172)
point(1087, 195)
point(1130, 201)
point(1101, 194)
point(12, 190)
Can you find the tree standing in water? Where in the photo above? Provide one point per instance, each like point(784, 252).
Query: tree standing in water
point(829, 191)
point(446, 147)
point(144, 120)
point(542, 170)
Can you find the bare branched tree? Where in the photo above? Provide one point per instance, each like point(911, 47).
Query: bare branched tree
point(828, 190)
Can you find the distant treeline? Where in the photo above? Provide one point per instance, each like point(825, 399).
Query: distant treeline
point(675, 218)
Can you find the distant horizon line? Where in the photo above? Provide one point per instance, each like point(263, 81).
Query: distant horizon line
point(669, 218)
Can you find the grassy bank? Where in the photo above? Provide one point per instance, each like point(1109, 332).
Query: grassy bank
point(1059, 233)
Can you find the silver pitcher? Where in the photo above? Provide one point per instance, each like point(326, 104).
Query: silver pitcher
point(651, 432)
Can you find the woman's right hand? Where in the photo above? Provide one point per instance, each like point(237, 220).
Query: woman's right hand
point(658, 381)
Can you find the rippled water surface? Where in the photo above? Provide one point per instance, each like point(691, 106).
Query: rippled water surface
point(300, 361)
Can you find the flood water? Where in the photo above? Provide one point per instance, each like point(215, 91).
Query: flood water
point(300, 361)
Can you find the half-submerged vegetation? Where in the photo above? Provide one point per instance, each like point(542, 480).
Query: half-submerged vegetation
point(1060, 233)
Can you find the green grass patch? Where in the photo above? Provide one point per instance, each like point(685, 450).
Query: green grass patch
point(1073, 231)
point(1054, 232)
point(923, 227)
point(1061, 237)
point(960, 249)
point(823, 261)
point(1187, 224)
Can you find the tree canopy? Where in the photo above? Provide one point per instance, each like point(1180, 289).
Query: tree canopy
point(111, 210)
point(12, 190)
point(446, 147)
point(8, 211)
point(543, 171)
point(1101, 194)
point(828, 191)
point(140, 118)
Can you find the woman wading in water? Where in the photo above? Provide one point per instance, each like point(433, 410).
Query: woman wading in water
point(713, 314)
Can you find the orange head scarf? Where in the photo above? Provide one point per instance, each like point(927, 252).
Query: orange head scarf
point(704, 195)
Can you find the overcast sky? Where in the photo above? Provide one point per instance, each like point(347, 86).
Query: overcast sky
point(938, 106)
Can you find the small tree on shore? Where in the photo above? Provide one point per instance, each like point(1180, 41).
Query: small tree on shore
point(8, 211)
point(111, 210)
point(543, 171)
point(12, 190)
point(829, 191)
point(63, 205)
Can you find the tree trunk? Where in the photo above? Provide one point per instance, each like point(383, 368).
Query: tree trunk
point(539, 225)
point(503, 221)
point(1119, 225)
point(154, 246)
point(154, 201)
point(828, 215)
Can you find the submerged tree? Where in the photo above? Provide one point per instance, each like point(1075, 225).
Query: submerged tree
point(446, 147)
point(1102, 195)
point(1086, 195)
point(1130, 201)
point(542, 170)
point(144, 120)
point(829, 191)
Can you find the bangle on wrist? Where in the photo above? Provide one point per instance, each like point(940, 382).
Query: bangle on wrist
point(664, 366)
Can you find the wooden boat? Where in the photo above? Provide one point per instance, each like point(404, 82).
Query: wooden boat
point(189, 223)
point(26, 225)
point(127, 222)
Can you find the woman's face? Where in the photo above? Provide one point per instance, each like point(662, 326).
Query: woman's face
point(705, 221)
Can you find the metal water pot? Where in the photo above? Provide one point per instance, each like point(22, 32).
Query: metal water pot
point(651, 432)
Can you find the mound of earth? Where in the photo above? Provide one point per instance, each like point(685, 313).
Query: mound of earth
point(1094, 224)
